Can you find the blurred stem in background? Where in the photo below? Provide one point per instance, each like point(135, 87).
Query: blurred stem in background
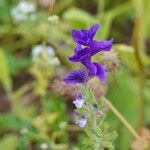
point(101, 8)
point(138, 41)
point(122, 119)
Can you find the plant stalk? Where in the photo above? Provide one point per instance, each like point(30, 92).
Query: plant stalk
point(138, 40)
point(122, 119)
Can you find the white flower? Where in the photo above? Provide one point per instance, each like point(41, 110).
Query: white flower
point(79, 101)
point(26, 7)
point(82, 121)
point(47, 52)
point(23, 130)
point(22, 10)
point(53, 19)
point(44, 146)
point(39, 49)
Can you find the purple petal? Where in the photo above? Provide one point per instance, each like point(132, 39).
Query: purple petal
point(78, 55)
point(77, 37)
point(86, 61)
point(75, 77)
point(78, 96)
point(83, 116)
point(82, 121)
point(84, 36)
point(93, 30)
point(101, 72)
point(78, 47)
point(97, 46)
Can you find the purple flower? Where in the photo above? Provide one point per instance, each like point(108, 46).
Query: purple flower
point(97, 46)
point(74, 77)
point(101, 72)
point(79, 101)
point(82, 121)
point(84, 36)
point(85, 48)
point(81, 76)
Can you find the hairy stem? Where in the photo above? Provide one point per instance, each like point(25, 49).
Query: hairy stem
point(122, 119)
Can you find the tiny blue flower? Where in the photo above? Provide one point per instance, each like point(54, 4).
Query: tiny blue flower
point(79, 101)
point(82, 121)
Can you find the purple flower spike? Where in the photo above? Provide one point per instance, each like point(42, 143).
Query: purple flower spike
point(85, 48)
point(82, 121)
point(84, 36)
point(75, 77)
point(79, 101)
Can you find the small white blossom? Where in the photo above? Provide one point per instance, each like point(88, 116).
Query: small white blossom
point(22, 11)
point(26, 7)
point(47, 52)
point(23, 130)
point(82, 121)
point(78, 101)
point(44, 146)
point(39, 49)
point(53, 19)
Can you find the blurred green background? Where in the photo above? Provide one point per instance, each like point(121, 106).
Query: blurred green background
point(36, 110)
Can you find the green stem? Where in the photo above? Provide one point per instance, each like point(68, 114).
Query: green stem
point(122, 119)
point(22, 90)
point(138, 44)
point(101, 7)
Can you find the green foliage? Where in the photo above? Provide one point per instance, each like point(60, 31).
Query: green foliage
point(9, 142)
point(123, 94)
point(14, 66)
point(147, 102)
point(4, 71)
point(79, 18)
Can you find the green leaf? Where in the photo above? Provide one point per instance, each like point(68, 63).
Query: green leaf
point(147, 102)
point(79, 18)
point(23, 143)
point(12, 122)
point(4, 71)
point(9, 142)
point(111, 136)
point(127, 55)
point(13, 64)
point(124, 96)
